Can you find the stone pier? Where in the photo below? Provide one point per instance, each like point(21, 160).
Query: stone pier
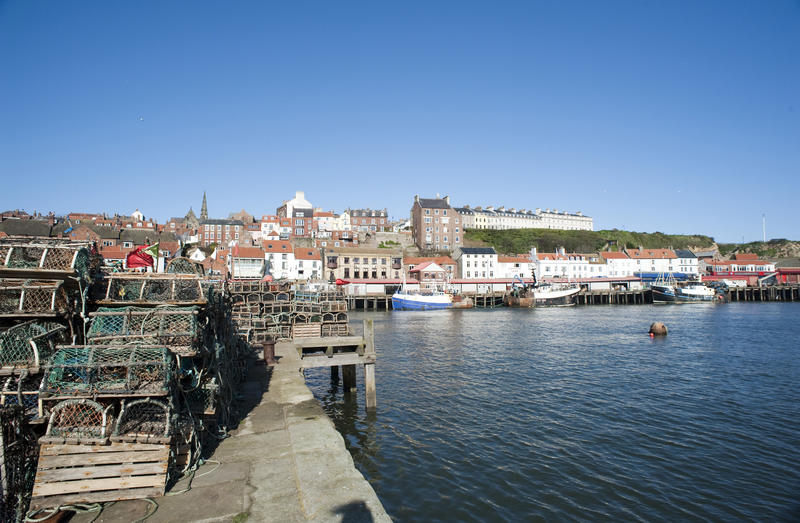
point(286, 462)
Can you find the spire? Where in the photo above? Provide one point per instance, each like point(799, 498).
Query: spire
point(204, 208)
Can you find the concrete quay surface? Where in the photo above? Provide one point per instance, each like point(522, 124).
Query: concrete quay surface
point(285, 462)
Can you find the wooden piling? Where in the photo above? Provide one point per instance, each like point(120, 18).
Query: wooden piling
point(369, 368)
point(349, 378)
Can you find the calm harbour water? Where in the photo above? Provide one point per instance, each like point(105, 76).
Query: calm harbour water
point(576, 414)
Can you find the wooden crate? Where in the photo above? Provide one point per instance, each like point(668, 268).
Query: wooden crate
point(69, 474)
point(307, 330)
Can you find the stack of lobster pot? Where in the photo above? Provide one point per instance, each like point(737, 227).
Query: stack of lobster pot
point(43, 296)
point(153, 383)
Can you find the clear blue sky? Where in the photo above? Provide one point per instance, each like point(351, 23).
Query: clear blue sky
point(676, 116)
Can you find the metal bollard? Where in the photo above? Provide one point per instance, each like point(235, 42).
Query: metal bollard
point(269, 353)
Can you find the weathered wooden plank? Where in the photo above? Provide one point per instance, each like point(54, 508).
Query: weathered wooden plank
point(351, 358)
point(51, 449)
point(96, 497)
point(92, 485)
point(336, 341)
point(100, 471)
point(105, 458)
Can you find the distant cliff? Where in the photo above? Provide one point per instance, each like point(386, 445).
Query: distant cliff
point(772, 249)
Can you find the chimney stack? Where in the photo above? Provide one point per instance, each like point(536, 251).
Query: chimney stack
point(447, 200)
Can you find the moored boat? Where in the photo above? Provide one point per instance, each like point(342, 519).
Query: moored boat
point(405, 300)
point(542, 295)
point(666, 290)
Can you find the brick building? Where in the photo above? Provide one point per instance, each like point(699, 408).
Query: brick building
point(435, 224)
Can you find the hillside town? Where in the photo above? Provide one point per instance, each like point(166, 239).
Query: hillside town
point(365, 246)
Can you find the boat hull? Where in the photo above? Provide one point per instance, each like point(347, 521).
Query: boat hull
point(413, 302)
point(543, 297)
point(671, 295)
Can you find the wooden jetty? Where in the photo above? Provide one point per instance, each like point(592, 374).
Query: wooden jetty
point(788, 293)
point(345, 352)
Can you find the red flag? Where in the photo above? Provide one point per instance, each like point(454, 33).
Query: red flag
point(137, 258)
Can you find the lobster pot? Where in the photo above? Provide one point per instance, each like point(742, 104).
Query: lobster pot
point(33, 297)
point(78, 421)
point(154, 289)
point(144, 420)
point(202, 400)
point(174, 327)
point(18, 455)
point(30, 344)
point(23, 391)
point(109, 370)
point(185, 266)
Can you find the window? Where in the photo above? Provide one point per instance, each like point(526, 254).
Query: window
point(375, 274)
point(374, 261)
point(427, 220)
point(347, 272)
point(444, 212)
point(356, 274)
point(335, 244)
point(383, 261)
point(467, 274)
point(427, 211)
point(383, 274)
point(356, 260)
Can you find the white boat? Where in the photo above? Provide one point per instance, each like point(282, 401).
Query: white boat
point(542, 294)
point(666, 290)
point(694, 292)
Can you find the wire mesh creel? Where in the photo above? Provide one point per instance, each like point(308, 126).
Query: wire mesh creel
point(107, 370)
point(30, 344)
point(78, 421)
point(175, 327)
point(33, 298)
point(144, 420)
point(154, 289)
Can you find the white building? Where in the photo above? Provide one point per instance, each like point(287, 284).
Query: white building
point(618, 264)
point(519, 266)
point(653, 260)
point(687, 262)
point(279, 255)
point(476, 262)
point(502, 218)
point(246, 263)
point(308, 264)
point(296, 207)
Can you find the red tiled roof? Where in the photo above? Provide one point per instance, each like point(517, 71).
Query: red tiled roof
point(651, 254)
point(518, 258)
point(305, 253)
point(608, 255)
point(426, 266)
point(276, 246)
point(746, 257)
point(249, 252)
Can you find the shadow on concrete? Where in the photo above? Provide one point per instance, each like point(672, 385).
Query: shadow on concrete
point(355, 512)
point(247, 397)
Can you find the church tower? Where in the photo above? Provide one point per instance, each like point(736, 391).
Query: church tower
point(204, 209)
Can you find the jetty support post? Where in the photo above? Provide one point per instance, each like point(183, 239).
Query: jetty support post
point(349, 378)
point(369, 368)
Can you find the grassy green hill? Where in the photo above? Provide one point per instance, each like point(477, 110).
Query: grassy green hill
point(516, 241)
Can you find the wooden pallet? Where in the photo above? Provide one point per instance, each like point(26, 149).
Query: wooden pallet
point(69, 474)
point(309, 330)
